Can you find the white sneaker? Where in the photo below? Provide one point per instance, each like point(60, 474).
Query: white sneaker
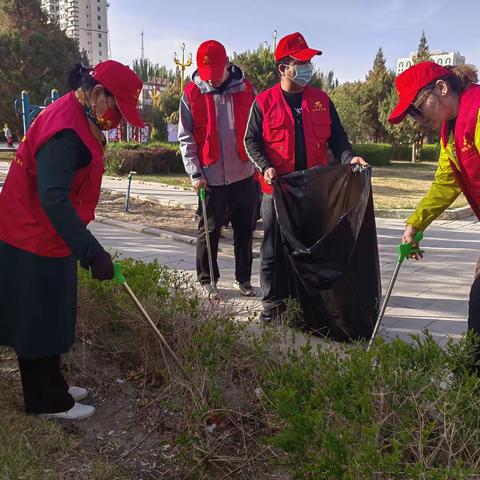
point(78, 393)
point(78, 412)
point(245, 288)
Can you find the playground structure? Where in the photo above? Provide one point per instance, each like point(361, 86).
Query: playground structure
point(28, 112)
point(124, 132)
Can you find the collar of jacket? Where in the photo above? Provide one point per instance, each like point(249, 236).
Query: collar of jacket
point(236, 82)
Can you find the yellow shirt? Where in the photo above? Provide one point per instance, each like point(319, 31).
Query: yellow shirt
point(444, 189)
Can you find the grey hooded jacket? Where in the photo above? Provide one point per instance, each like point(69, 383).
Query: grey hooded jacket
point(230, 167)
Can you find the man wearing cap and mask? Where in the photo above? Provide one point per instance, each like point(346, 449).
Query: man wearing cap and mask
point(213, 117)
point(49, 196)
point(291, 127)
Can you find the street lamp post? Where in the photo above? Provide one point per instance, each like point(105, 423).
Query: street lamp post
point(182, 64)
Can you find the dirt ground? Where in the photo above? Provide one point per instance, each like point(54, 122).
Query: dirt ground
point(132, 429)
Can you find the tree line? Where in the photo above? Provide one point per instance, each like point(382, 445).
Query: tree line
point(35, 55)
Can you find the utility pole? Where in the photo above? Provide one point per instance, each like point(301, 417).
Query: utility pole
point(274, 40)
point(143, 50)
point(182, 64)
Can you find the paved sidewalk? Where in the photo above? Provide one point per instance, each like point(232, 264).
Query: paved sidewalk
point(431, 293)
point(167, 195)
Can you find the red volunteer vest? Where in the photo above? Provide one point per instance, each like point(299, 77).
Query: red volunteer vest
point(23, 222)
point(468, 156)
point(279, 129)
point(204, 117)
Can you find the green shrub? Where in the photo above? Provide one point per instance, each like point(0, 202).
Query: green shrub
point(175, 147)
point(400, 411)
point(384, 414)
point(155, 157)
point(376, 154)
point(430, 152)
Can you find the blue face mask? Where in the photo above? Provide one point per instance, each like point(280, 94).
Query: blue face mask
point(303, 74)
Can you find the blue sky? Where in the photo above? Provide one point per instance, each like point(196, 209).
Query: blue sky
point(348, 32)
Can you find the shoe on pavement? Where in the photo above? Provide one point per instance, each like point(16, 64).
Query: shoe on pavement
point(245, 288)
point(79, 411)
point(78, 393)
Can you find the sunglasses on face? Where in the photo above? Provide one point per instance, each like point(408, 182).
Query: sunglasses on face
point(415, 110)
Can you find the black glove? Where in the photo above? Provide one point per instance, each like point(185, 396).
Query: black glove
point(102, 266)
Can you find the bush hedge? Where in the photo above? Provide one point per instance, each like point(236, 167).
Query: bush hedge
point(430, 152)
point(399, 411)
point(155, 157)
point(163, 157)
point(380, 154)
point(376, 154)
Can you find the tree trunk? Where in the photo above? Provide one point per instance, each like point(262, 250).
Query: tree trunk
point(417, 147)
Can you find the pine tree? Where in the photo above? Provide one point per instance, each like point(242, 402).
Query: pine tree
point(422, 55)
point(258, 66)
point(377, 87)
point(423, 52)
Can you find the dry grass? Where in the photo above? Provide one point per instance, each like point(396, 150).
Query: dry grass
point(398, 186)
point(402, 185)
point(6, 157)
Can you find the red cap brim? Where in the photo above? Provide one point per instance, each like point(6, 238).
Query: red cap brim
point(305, 55)
point(130, 113)
point(400, 111)
point(213, 73)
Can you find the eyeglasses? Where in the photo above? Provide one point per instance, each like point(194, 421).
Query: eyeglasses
point(415, 110)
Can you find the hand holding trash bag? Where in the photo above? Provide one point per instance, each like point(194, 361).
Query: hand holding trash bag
point(269, 175)
point(359, 161)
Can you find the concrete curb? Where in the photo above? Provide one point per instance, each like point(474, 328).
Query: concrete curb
point(455, 214)
point(165, 234)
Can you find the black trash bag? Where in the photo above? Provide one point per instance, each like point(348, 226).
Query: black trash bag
point(328, 230)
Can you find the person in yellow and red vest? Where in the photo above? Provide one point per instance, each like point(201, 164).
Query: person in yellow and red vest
point(213, 118)
point(50, 195)
point(291, 127)
point(446, 100)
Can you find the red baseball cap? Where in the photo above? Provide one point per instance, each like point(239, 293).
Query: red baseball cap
point(124, 85)
point(295, 46)
point(410, 82)
point(211, 59)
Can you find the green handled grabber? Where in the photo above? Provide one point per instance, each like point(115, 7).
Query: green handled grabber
point(404, 251)
point(121, 280)
point(213, 295)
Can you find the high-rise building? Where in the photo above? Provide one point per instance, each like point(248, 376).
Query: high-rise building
point(438, 56)
point(85, 21)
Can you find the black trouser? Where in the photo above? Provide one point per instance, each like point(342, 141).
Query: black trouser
point(44, 387)
point(273, 269)
point(240, 198)
point(474, 307)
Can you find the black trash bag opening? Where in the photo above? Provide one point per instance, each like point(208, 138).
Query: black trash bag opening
point(328, 228)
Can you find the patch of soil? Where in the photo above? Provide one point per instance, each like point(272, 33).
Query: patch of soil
point(132, 427)
point(152, 214)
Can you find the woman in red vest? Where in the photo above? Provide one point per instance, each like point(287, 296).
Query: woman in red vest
point(446, 100)
point(49, 197)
